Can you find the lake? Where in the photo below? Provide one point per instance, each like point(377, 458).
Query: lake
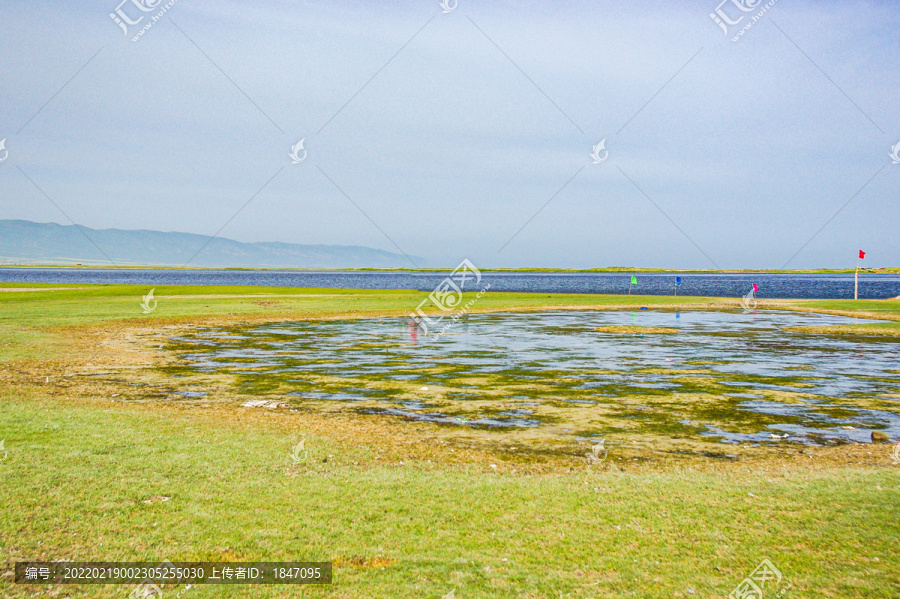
point(780, 286)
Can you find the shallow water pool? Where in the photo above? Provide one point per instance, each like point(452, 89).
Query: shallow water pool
point(722, 376)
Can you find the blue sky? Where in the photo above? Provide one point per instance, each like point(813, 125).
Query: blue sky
point(442, 134)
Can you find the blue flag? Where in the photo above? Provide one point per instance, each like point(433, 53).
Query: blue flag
point(678, 280)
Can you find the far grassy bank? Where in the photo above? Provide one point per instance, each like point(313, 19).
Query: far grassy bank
point(40, 313)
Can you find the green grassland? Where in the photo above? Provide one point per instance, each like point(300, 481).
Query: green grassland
point(402, 510)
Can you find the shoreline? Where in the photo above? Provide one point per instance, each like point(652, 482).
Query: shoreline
point(521, 270)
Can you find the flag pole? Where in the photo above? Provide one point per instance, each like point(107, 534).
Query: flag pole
point(856, 282)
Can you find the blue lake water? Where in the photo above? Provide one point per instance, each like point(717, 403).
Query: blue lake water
point(782, 286)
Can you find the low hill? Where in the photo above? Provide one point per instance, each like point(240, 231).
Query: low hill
point(26, 242)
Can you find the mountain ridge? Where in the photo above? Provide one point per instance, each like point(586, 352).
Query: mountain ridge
point(28, 242)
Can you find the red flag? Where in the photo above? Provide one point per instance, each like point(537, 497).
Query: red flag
point(862, 254)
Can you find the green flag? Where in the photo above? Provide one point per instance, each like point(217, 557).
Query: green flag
point(633, 280)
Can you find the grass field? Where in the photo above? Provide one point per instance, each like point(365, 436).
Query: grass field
point(401, 509)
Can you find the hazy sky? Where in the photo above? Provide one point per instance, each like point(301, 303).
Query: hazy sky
point(452, 130)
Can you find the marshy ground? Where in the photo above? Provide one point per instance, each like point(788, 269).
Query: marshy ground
point(550, 383)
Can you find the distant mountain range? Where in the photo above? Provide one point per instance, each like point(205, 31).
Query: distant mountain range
point(25, 242)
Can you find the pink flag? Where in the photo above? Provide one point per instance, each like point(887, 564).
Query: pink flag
point(755, 288)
